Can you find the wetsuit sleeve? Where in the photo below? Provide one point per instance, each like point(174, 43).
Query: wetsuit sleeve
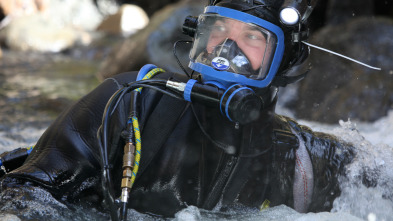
point(67, 155)
point(306, 173)
point(322, 157)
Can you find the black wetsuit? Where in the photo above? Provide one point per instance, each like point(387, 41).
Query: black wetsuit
point(181, 165)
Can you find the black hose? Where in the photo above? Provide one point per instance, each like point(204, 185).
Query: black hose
point(123, 211)
point(177, 58)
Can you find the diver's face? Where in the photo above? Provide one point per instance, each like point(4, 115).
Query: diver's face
point(251, 41)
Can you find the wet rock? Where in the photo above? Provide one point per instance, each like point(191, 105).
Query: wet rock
point(61, 26)
point(22, 7)
point(384, 8)
point(11, 9)
point(80, 14)
point(150, 6)
point(339, 11)
point(337, 88)
point(154, 44)
point(333, 12)
point(128, 20)
point(37, 33)
point(107, 7)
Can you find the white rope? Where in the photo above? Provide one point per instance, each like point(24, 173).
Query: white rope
point(343, 56)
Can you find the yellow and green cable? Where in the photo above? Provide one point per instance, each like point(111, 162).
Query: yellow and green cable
point(135, 125)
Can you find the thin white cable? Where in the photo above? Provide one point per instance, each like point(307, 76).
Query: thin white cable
point(343, 56)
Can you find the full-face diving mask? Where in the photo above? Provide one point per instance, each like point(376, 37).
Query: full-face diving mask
point(232, 47)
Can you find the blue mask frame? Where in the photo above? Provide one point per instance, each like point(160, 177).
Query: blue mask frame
point(224, 79)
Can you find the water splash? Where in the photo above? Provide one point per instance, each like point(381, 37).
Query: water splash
point(367, 187)
point(278, 213)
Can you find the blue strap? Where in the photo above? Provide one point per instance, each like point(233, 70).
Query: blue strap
point(188, 89)
point(144, 70)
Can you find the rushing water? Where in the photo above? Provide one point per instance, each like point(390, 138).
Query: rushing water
point(367, 190)
point(36, 87)
point(33, 93)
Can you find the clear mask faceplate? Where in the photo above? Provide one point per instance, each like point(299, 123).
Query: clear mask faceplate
point(243, 50)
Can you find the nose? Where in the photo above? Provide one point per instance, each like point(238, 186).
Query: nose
point(225, 46)
point(233, 35)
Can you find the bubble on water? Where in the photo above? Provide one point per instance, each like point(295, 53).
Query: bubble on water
point(191, 213)
point(372, 217)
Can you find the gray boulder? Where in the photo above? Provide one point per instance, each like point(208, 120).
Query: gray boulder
point(152, 6)
point(336, 88)
point(62, 25)
point(339, 11)
point(154, 43)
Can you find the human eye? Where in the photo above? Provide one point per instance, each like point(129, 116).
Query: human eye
point(254, 38)
point(219, 28)
point(255, 35)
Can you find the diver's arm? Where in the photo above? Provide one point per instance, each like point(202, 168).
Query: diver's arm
point(327, 157)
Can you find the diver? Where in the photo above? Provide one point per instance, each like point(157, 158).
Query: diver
point(210, 139)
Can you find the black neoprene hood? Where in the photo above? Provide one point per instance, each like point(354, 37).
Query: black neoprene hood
point(267, 10)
